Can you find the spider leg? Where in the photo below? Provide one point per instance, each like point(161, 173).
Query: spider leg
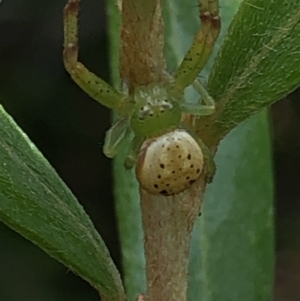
point(134, 150)
point(208, 159)
point(199, 109)
point(115, 136)
point(88, 81)
point(202, 46)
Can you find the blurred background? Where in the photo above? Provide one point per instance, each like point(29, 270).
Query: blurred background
point(68, 127)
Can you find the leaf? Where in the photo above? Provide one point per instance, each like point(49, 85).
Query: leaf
point(126, 188)
point(233, 247)
point(232, 252)
point(36, 203)
point(257, 64)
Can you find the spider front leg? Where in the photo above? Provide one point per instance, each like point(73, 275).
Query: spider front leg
point(199, 109)
point(202, 46)
point(89, 82)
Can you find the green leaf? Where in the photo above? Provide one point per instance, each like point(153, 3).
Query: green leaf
point(127, 200)
point(232, 252)
point(36, 203)
point(232, 256)
point(257, 64)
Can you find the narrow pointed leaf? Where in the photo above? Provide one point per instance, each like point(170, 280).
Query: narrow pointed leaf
point(257, 63)
point(232, 252)
point(126, 187)
point(36, 203)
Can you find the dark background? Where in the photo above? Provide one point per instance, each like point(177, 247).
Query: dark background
point(67, 126)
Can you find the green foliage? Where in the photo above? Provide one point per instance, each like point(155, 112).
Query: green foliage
point(257, 63)
point(232, 251)
point(232, 256)
point(37, 204)
point(126, 189)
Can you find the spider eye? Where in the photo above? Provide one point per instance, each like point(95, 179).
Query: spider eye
point(145, 112)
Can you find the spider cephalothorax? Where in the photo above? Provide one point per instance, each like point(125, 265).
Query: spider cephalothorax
point(169, 158)
point(156, 111)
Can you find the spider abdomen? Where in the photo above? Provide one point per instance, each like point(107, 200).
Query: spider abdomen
point(170, 163)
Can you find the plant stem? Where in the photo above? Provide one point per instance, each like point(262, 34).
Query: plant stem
point(168, 223)
point(142, 43)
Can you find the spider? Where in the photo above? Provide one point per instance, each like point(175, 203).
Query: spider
point(169, 158)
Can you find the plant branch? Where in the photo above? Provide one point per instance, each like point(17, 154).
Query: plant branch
point(142, 42)
point(168, 223)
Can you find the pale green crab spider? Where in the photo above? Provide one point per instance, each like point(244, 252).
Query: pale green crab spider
point(168, 158)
